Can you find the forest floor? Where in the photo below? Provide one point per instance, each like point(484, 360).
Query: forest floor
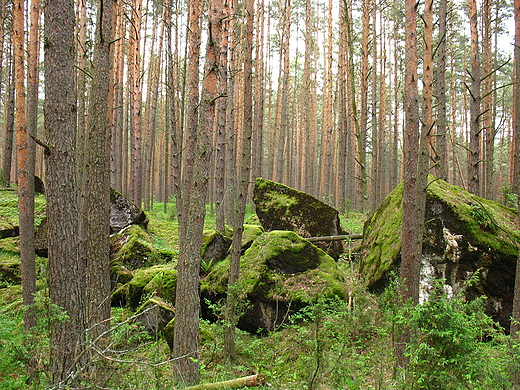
point(331, 344)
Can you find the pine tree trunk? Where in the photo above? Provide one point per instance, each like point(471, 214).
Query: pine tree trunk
point(515, 321)
point(25, 154)
point(233, 294)
point(474, 106)
point(117, 159)
point(488, 106)
point(95, 211)
point(363, 111)
point(441, 145)
point(191, 211)
point(220, 141)
point(410, 236)
point(134, 75)
point(7, 159)
point(66, 273)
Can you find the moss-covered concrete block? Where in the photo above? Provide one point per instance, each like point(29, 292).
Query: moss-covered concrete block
point(280, 207)
point(154, 314)
point(281, 271)
point(465, 236)
point(159, 280)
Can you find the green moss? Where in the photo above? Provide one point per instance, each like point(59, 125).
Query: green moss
point(9, 209)
point(486, 224)
point(257, 279)
point(207, 238)
point(159, 280)
point(134, 248)
point(251, 232)
point(382, 236)
point(155, 300)
point(490, 224)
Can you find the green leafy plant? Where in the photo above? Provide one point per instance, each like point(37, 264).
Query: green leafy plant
point(510, 198)
point(448, 349)
point(483, 217)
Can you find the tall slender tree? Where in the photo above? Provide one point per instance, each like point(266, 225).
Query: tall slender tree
point(242, 188)
point(66, 272)
point(361, 134)
point(474, 104)
point(411, 235)
point(7, 160)
point(95, 200)
point(25, 153)
point(441, 149)
point(515, 322)
point(191, 211)
point(134, 77)
point(33, 56)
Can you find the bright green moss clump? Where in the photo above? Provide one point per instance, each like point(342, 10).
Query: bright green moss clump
point(486, 226)
point(382, 237)
point(280, 265)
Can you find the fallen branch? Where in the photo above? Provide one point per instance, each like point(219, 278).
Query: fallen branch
point(336, 238)
point(247, 381)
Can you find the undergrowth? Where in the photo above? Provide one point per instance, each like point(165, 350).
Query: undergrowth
point(329, 344)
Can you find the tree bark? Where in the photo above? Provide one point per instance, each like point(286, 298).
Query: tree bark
point(410, 235)
point(7, 159)
point(441, 148)
point(248, 381)
point(242, 190)
point(488, 110)
point(515, 321)
point(220, 139)
point(361, 134)
point(25, 153)
point(191, 211)
point(134, 75)
point(95, 201)
point(66, 272)
point(474, 105)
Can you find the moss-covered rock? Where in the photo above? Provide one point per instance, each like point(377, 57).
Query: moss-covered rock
point(280, 270)
point(40, 239)
point(154, 314)
point(159, 280)
point(464, 235)
point(10, 272)
point(9, 221)
point(283, 208)
point(124, 212)
point(250, 234)
point(134, 248)
point(215, 247)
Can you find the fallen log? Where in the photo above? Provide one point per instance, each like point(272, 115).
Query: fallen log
point(247, 381)
point(336, 238)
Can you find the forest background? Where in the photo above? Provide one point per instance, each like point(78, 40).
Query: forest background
point(328, 97)
point(313, 95)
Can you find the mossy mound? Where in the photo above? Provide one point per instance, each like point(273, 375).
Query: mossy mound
point(280, 269)
point(9, 212)
point(283, 208)
point(215, 247)
point(159, 280)
point(464, 236)
point(381, 243)
point(154, 314)
point(10, 272)
point(250, 234)
point(134, 248)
